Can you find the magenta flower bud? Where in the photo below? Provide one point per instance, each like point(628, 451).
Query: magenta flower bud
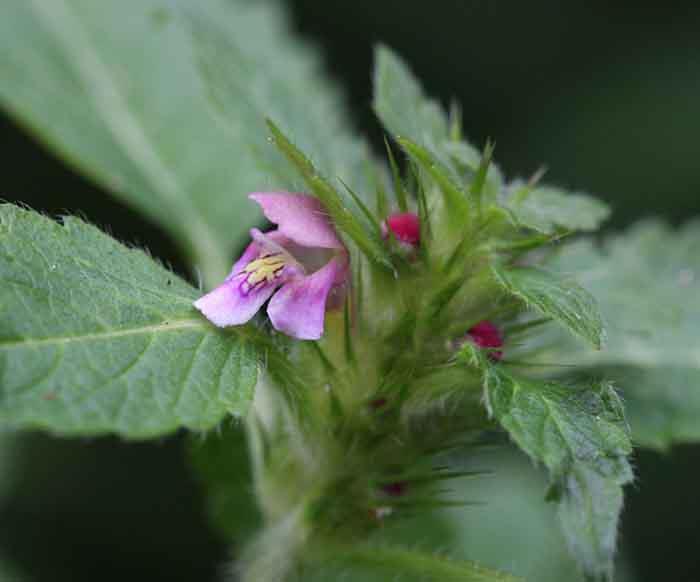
point(486, 335)
point(404, 226)
point(378, 402)
point(396, 489)
point(297, 266)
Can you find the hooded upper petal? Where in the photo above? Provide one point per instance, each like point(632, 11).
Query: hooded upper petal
point(300, 217)
point(298, 308)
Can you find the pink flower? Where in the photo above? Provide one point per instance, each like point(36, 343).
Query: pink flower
point(298, 265)
point(405, 226)
point(486, 335)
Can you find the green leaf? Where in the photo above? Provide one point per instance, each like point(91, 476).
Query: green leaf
point(291, 91)
point(397, 181)
point(511, 526)
point(647, 283)
point(402, 105)
point(559, 298)
point(117, 90)
point(548, 209)
point(477, 187)
point(579, 434)
point(406, 112)
point(662, 404)
point(455, 197)
point(96, 337)
point(222, 466)
point(589, 510)
point(382, 562)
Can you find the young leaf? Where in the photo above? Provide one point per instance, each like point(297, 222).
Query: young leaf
point(116, 89)
point(401, 104)
point(647, 284)
point(548, 209)
point(96, 337)
point(455, 198)
point(399, 190)
point(406, 112)
point(477, 188)
point(561, 299)
point(579, 434)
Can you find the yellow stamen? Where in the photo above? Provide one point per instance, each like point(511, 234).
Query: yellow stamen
point(266, 268)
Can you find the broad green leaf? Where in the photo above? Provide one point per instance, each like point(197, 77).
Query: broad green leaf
point(222, 465)
point(96, 337)
point(511, 527)
point(402, 105)
point(579, 434)
point(547, 209)
point(407, 112)
point(376, 563)
point(662, 404)
point(290, 91)
point(559, 298)
point(116, 88)
point(647, 283)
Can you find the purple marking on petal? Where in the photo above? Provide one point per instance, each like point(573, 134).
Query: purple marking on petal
point(299, 307)
point(256, 248)
point(245, 290)
point(251, 253)
point(229, 305)
point(300, 217)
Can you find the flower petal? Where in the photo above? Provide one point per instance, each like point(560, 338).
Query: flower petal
point(250, 253)
point(300, 217)
point(228, 305)
point(299, 307)
point(255, 248)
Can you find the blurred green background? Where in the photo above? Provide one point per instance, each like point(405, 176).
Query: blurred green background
point(607, 95)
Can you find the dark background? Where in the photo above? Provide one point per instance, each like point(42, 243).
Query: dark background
point(606, 94)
